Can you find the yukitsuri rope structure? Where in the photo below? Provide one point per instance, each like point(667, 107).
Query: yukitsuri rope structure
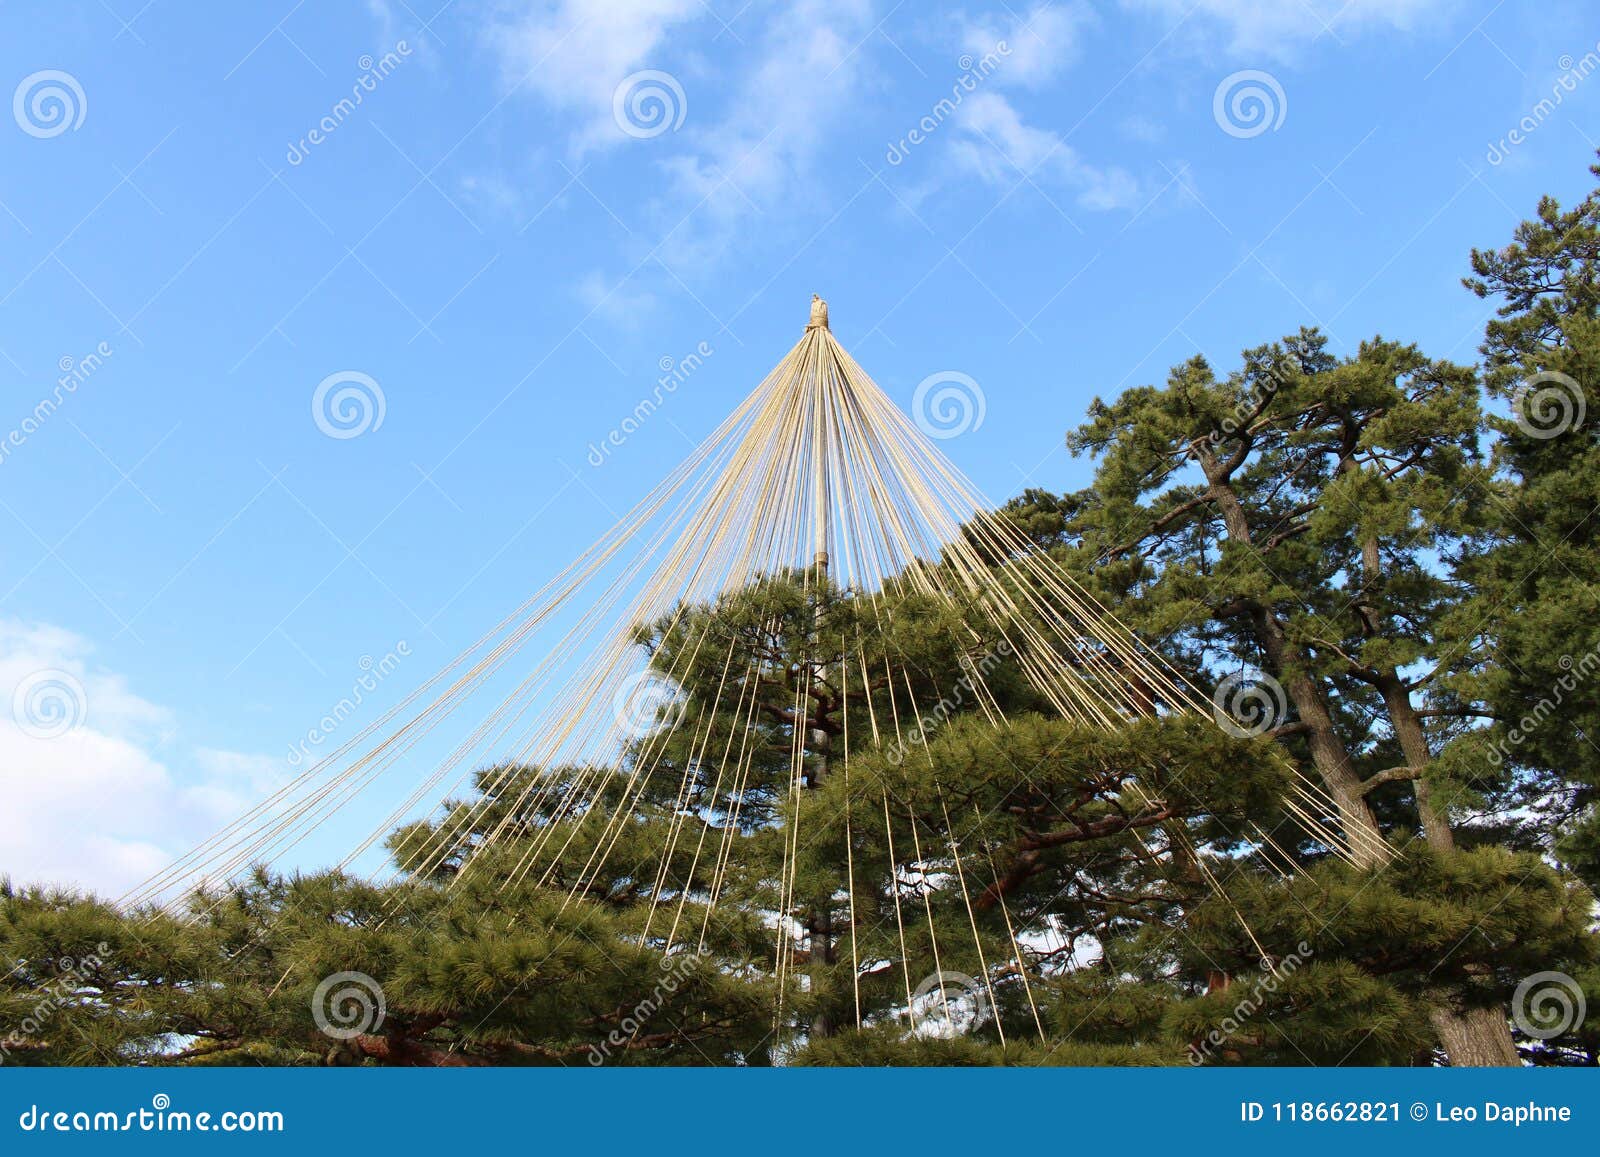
point(815, 473)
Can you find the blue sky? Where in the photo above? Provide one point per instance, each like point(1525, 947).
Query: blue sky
point(503, 248)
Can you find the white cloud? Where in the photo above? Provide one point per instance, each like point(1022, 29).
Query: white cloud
point(760, 158)
point(1277, 27)
point(623, 305)
point(994, 144)
point(1039, 43)
point(574, 53)
point(1143, 129)
point(989, 137)
point(95, 805)
point(395, 22)
point(491, 195)
point(752, 135)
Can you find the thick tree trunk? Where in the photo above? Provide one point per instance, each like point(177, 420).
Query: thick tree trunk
point(1476, 1038)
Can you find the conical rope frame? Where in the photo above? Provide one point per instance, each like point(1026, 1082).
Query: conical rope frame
point(817, 474)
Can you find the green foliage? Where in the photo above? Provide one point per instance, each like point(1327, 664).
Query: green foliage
point(1534, 624)
point(1415, 572)
point(1326, 1013)
point(878, 1048)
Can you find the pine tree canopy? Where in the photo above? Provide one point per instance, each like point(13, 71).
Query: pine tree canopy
point(1386, 565)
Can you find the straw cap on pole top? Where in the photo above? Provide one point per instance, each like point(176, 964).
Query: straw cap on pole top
point(819, 313)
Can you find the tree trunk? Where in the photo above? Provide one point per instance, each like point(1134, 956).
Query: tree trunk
point(1477, 1038)
point(1414, 745)
point(1397, 699)
point(820, 925)
point(1328, 752)
point(822, 956)
point(1332, 761)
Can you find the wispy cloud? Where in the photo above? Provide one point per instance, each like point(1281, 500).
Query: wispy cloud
point(1278, 28)
point(985, 133)
point(993, 143)
point(1040, 41)
point(491, 195)
point(757, 124)
point(623, 305)
point(574, 53)
point(761, 157)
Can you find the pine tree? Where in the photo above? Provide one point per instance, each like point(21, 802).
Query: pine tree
point(1536, 620)
point(1416, 576)
point(993, 849)
point(1292, 517)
